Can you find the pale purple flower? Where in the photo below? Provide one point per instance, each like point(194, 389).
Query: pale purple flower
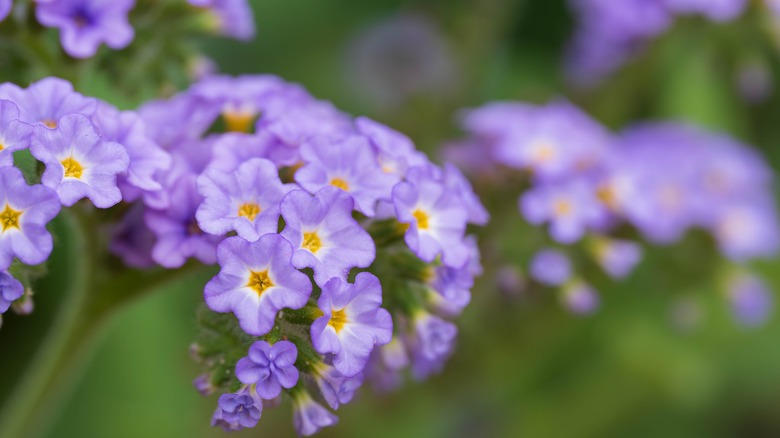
point(581, 299)
point(178, 235)
point(456, 181)
point(550, 267)
point(716, 10)
point(85, 24)
point(231, 18)
point(246, 200)
point(5, 8)
point(352, 322)
point(203, 385)
point(751, 300)
point(237, 411)
point(450, 289)
point(348, 163)
point(256, 280)
point(14, 134)
point(147, 159)
point(11, 290)
point(571, 208)
point(269, 367)
point(432, 344)
point(47, 100)
point(324, 235)
point(617, 257)
point(394, 151)
point(748, 229)
point(335, 387)
point(132, 240)
point(232, 149)
point(79, 163)
point(309, 416)
point(177, 120)
point(436, 218)
point(24, 213)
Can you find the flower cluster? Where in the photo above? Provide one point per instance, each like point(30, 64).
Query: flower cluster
point(86, 24)
point(586, 185)
point(609, 32)
point(89, 150)
point(342, 250)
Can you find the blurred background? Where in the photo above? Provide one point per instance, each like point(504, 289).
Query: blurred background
point(663, 356)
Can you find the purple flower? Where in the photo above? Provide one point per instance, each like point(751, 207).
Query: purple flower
point(25, 212)
point(85, 24)
point(246, 200)
point(5, 8)
point(324, 235)
point(581, 299)
point(309, 416)
point(203, 385)
point(716, 10)
point(550, 267)
point(454, 180)
point(270, 368)
point(746, 230)
point(617, 257)
point(147, 159)
point(335, 387)
point(11, 290)
point(256, 280)
point(232, 18)
point(47, 100)
point(352, 322)
point(395, 152)
point(237, 411)
point(79, 163)
point(14, 134)
point(132, 240)
point(433, 342)
point(232, 149)
point(178, 120)
point(571, 208)
point(177, 231)
point(349, 164)
point(451, 289)
point(436, 218)
point(750, 299)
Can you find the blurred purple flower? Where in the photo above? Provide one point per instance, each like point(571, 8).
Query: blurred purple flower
point(5, 8)
point(231, 18)
point(309, 416)
point(751, 300)
point(550, 267)
point(581, 299)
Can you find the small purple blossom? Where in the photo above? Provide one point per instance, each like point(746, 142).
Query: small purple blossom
point(581, 299)
point(47, 100)
point(550, 267)
point(24, 213)
point(237, 411)
point(309, 416)
point(617, 257)
point(436, 218)
point(79, 163)
point(232, 18)
point(450, 289)
point(335, 387)
point(432, 344)
point(132, 240)
point(85, 24)
point(349, 164)
point(751, 300)
point(352, 322)
point(716, 10)
point(246, 200)
point(395, 152)
point(11, 290)
point(14, 134)
point(256, 280)
point(325, 236)
point(5, 8)
point(456, 181)
point(269, 367)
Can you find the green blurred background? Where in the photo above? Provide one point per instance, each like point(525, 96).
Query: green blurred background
point(662, 358)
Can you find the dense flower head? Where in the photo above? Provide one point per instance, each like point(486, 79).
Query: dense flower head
point(610, 32)
point(85, 24)
point(291, 197)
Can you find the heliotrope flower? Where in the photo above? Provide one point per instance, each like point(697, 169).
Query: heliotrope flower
point(11, 290)
point(256, 280)
point(750, 299)
point(246, 200)
point(580, 298)
point(747, 229)
point(352, 322)
point(434, 340)
point(309, 416)
point(550, 267)
point(269, 367)
point(79, 163)
point(616, 256)
point(395, 152)
point(716, 10)
point(237, 411)
point(47, 100)
point(132, 240)
point(348, 163)
point(5, 8)
point(14, 134)
point(324, 235)
point(436, 218)
point(233, 149)
point(336, 388)
point(85, 24)
point(24, 213)
point(232, 18)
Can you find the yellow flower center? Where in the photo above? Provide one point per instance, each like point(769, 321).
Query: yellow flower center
point(73, 168)
point(543, 153)
point(340, 183)
point(606, 194)
point(249, 210)
point(259, 281)
point(51, 124)
point(312, 242)
point(338, 319)
point(9, 218)
point(422, 219)
point(238, 120)
point(2, 146)
point(562, 207)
